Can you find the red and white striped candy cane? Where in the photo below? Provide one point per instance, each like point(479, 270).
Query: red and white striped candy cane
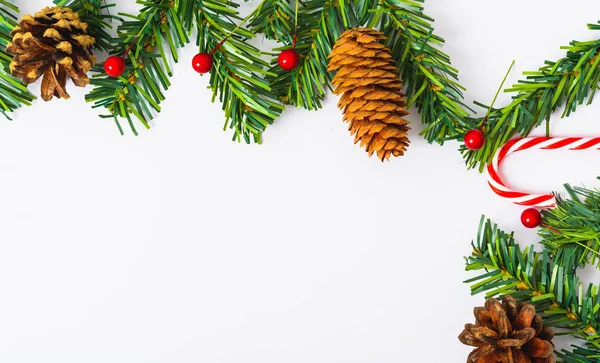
point(528, 143)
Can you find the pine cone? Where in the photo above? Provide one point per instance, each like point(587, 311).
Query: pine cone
point(53, 43)
point(370, 83)
point(507, 332)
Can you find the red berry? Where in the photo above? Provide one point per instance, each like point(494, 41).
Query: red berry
point(288, 59)
point(114, 66)
point(202, 63)
point(531, 218)
point(474, 139)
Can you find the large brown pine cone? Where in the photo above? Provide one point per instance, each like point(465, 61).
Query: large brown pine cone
point(506, 333)
point(372, 101)
point(53, 43)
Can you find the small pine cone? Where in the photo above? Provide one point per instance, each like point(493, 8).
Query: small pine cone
point(370, 85)
point(53, 43)
point(507, 332)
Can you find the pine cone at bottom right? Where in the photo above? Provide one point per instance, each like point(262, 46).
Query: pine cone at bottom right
point(508, 333)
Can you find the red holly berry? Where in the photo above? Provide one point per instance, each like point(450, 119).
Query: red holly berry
point(531, 218)
point(114, 66)
point(202, 62)
point(288, 59)
point(474, 139)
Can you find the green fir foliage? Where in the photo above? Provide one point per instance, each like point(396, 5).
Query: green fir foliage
point(572, 229)
point(237, 78)
point(252, 89)
point(12, 93)
point(320, 24)
point(156, 33)
point(567, 82)
point(558, 295)
point(430, 81)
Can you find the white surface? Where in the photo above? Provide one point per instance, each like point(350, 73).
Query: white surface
point(181, 246)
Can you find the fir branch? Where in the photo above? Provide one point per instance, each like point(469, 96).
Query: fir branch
point(430, 81)
point(238, 74)
point(96, 14)
point(570, 81)
point(535, 278)
point(321, 23)
point(157, 33)
point(573, 227)
point(275, 19)
point(12, 93)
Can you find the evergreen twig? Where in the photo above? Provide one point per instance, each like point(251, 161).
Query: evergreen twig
point(321, 23)
point(573, 227)
point(536, 278)
point(430, 81)
point(568, 82)
point(157, 33)
point(275, 19)
point(238, 74)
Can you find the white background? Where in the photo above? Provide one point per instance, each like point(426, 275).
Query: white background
point(182, 246)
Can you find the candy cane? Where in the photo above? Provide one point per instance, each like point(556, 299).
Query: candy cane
point(529, 143)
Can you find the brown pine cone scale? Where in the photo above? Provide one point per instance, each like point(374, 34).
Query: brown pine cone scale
point(52, 43)
point(508, 333)
point(372, 101)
